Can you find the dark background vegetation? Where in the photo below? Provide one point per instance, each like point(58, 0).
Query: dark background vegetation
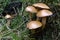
point(18, 24)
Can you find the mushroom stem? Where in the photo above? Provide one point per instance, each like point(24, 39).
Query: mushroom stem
point(8, 24)
point(30, 16)
point(37, 19)
point(43, 22)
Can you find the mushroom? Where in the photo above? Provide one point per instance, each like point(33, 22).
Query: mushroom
point(33, 25)
point(8, 19)
point(31, 10)
point(41, 5)
point(43, 14)
point(8, 16)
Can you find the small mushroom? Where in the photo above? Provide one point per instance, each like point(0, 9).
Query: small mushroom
point(31, 10)
point(44, 14)
point(8, 16)
point(8, 19)
point(41, 5)
point(34, 24)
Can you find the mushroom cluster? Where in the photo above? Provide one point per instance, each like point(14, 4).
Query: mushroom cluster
point(32, 24)
point(42, 11)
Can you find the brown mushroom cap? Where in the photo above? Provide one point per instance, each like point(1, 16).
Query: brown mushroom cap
point(31, 9)
point(34, 24)
point(41, 5)
point(8, 16)
point(43, 13)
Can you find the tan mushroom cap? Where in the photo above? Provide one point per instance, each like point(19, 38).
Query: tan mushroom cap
point(8, 16)
point(41, 5)
point(31, 9)
point(43, 13)
point(34, 24)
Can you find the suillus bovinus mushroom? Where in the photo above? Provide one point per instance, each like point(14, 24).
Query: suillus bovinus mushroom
point(41, 5)
point(34, 24)
point(43, 14)
point(31, 10)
